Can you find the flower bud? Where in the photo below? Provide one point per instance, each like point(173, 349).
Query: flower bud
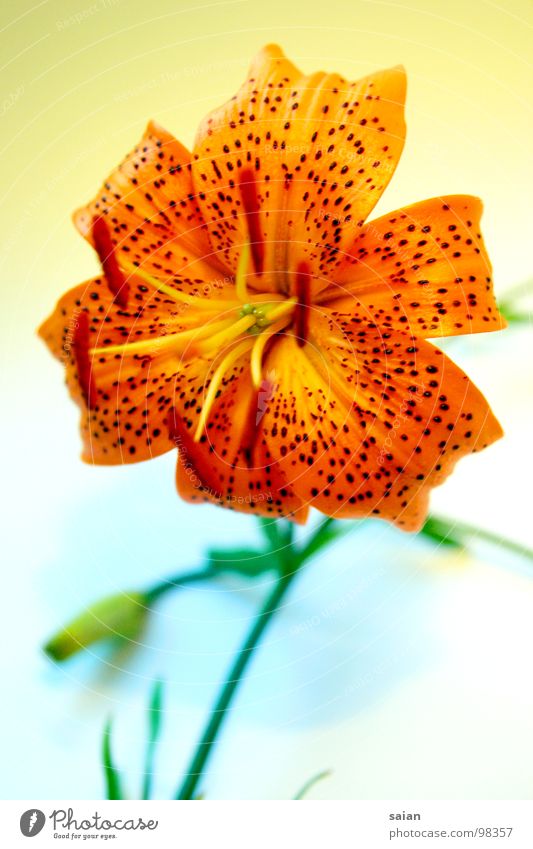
point(120, 616)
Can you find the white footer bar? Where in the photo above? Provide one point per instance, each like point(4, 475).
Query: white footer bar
point(269, 825)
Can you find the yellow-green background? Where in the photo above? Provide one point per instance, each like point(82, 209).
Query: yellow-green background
point(409, 679)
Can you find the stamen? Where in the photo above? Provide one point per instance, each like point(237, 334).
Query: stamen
point(106, 254)
point(216, 380)
point(286, 306)
point(195, 301)
point(224, 336)
point(250, 201)
point(82, 359)
point(179, 340)
point(303, 295)
point(242, 271)
point(256, 358)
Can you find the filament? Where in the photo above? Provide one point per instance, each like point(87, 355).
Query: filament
point(216, 380)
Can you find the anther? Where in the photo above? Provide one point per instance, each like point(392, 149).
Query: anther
point(303, 298)
point(260, 315)
point(80, 345)
point(106, 254)
point(250, 202)
point(190, 458)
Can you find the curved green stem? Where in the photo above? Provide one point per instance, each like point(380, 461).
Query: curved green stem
point(179, 580)
point(220, 709)
point(310, 783)
point(457, 532)
point(497, 539)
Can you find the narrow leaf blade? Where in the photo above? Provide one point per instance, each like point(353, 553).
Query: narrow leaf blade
point(155, 720)
point(112, 777)
point(302, 793)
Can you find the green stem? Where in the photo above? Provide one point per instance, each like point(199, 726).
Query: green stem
point(154, 593)
point(231, 684)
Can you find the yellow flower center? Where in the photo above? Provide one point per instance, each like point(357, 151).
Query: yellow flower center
point(241, 324)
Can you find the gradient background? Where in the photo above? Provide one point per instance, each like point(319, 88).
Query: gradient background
point(404, 670)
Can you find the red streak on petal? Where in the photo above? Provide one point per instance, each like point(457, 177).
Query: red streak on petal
point(250, 200)
point(106, 254)
point(80, 346)
point(251, 430)
point(192, 456)
point(301, 310)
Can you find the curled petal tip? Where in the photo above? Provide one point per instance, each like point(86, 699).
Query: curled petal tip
point(156, 129)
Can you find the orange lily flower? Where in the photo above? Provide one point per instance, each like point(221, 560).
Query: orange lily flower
point(248, 315)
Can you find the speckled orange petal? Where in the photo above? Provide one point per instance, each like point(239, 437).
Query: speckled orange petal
point(320, 150)
point(423, 268)
point(421, 400)
point(366, 431)
point(225, 466)
point(130, 392)
point(153, 217)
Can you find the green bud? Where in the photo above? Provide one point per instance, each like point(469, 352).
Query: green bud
point(120, 617)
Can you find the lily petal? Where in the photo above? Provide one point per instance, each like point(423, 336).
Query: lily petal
point(320, 150)
point(368, 431)
point(132, 389)
point(225, 467)
point(422, 268)
point(153, 217)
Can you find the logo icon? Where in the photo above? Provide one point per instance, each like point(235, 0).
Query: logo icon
point(267, 390)
point(32, 822)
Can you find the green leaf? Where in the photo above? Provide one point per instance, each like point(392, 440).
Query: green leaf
point(249, 562)
point(515, 316)
point(464, 535)
point(120, 616)
point(155, 718)
point(508, 303)
point(113, 782)
point(442, 532)
point(311, 783)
